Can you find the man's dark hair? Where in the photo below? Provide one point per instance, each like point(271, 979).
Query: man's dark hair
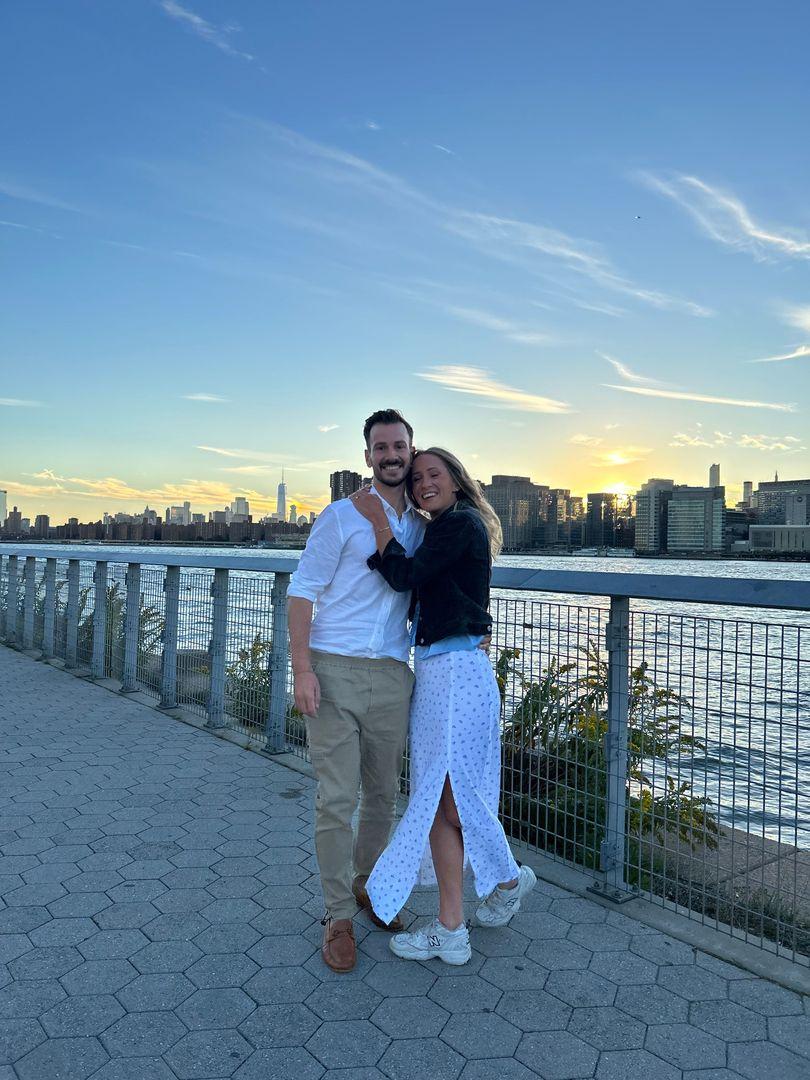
point(385, 416)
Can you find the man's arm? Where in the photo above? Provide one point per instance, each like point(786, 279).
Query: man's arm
point(307, 687)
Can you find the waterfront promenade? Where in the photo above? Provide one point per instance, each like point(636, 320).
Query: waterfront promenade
point(159, 918)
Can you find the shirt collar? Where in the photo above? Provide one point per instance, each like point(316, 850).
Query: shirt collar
point(409, 507)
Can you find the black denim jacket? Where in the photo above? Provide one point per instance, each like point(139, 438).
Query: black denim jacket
point(449, 575)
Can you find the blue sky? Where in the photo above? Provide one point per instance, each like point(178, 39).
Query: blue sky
point(561, 238)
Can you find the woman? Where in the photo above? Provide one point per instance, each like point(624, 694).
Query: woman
point(452, 815)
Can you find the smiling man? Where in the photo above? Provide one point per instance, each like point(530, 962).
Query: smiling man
point(352, 680)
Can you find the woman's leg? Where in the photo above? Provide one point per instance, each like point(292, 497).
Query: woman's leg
point(447, 849)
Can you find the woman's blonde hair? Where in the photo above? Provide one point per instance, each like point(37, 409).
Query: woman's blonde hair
point(468, 489)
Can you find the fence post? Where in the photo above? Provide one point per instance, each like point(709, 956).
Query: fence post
point(49, 610)
point(216, 650)
point(132, 627)
point(279, 650)
point(97, 664)
point(168, 682)
point(3, 607)
point(612, 884)
point(30, 573)
point(11, 601)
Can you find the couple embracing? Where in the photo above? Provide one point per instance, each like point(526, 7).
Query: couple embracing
point(417, 546)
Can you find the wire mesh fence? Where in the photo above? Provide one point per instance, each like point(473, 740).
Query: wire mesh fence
point(712, 807)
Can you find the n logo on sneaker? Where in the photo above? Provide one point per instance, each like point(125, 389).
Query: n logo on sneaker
point(434, 942)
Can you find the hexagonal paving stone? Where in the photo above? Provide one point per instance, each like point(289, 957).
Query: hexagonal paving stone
point(607, 1028)
point(628, 1064)
point(209, 1009)
point(510, 973)
point(652, 1004)
point(559, 1058)
point(63, 932)
point(763, 997)
point(274, 986)
point(578, 910)
point(282, 921)
point(234, 888)
point(582, 989)
point(121, 916)
point(599, 937)
point(280, 950)
point(230, 911)
point(624, 968)
point(465, 995)
point(143, 1034)
point(728, 1021)
point(138, 1068)
point(269, 1064)
point(283, 873)
point(80, 905)
point(45, 963)
point(410, 1017)
point(17, 1037)
point(559, 954)
point(208, 1054)
point(175, 927)
point(99, 977)
point(112, 944)
point(534, 1010)
point(344, 1001)
point(178, 900)
point(221, 970)
point(662, 949)
point(29, 999)
point(685, 1047)
point(499, 941)
point(485, 1036)
point(14, 945)
point(74, 1058)
point(693, 983)
point(348, 1043)
point(401, 980)
point(81, 1016)
point(792, 1032)
point(279, 1025)
point(281, 896)
point(156, 992)
point(165, 956)
point(21, 920)
point(409, 1058)
point(540, 925)
point(502, 1068)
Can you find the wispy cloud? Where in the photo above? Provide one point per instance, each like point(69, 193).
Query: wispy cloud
point(620, 455)
point(797, 315)
point(324, 428)
point(211, 398)
point(796, 354)
point(707, 399)
point(581, 439)
point(480, 383)
point(19, 403)
point(444, 149)
point(372, 125)
point(790, 444)
point(218, 36)
point(624, 371)
point(784, 443)
point(725, 218)
point(12, 189)
point(508, 328)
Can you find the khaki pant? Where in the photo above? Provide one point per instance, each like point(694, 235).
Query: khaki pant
point(356, 743)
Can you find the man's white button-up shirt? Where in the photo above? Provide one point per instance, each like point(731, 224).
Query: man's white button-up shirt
point(356, 612)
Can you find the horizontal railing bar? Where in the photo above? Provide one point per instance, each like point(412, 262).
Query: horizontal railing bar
point(750, 592)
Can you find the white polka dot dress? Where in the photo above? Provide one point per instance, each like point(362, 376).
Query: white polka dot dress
point(454, 730)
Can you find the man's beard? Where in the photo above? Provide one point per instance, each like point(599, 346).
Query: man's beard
point(380, 477)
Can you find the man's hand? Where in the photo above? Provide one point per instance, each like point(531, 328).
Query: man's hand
point(307, 693)
point(485, 643)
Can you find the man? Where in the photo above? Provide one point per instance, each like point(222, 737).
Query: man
point(353, 682)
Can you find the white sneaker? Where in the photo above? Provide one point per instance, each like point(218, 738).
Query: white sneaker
point(434, 940)
point(502, 904)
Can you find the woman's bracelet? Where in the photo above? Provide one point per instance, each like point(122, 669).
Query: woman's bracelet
point(385, 528)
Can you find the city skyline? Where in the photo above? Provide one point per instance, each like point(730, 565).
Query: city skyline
point(567, 243)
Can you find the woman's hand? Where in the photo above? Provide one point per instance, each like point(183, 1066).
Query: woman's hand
point(368, 504)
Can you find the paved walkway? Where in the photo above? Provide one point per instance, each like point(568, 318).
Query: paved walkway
point(159, 918)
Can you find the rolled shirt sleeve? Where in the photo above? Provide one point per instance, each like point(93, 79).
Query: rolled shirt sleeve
point(319, 559)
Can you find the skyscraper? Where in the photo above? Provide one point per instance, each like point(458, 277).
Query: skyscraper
point(651, 515)
point(281, 500)
point(696, 519)
point(714, 476)
point(516, 501)
point(748, 491)
point(240, 507)
point(293, 514)
point(3, 507)
point(344, 483)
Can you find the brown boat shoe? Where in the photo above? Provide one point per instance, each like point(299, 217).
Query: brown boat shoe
point(339, 951)
point(363, 899)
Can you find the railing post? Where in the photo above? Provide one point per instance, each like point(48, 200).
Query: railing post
point(216, 650)
point(277, 713)
point(3, 609)
point(132, 627)
point(72, 615)
point(29, 597)
point(612, 885)
point(11, 601)
point(168, 682)
point(49, 610)
point(97, 664)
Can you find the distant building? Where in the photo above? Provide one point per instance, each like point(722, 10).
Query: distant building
point(179, 515)
point(609, 520)
point(42, 526)
point(651, 516)
point(714, 476)
point(240, 508)
point(515, 499)
point(312, 516)
point(696, 519)
point(748, 491)
point(796, 508)
point(344, 483)
point(3, 507)
point(14, 523)
point(281, 500)
point(303, 519)
point(293, 514)
point(781, 538)
point(770, 499)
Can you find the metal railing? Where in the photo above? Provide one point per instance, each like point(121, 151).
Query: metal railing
point(662, 747)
